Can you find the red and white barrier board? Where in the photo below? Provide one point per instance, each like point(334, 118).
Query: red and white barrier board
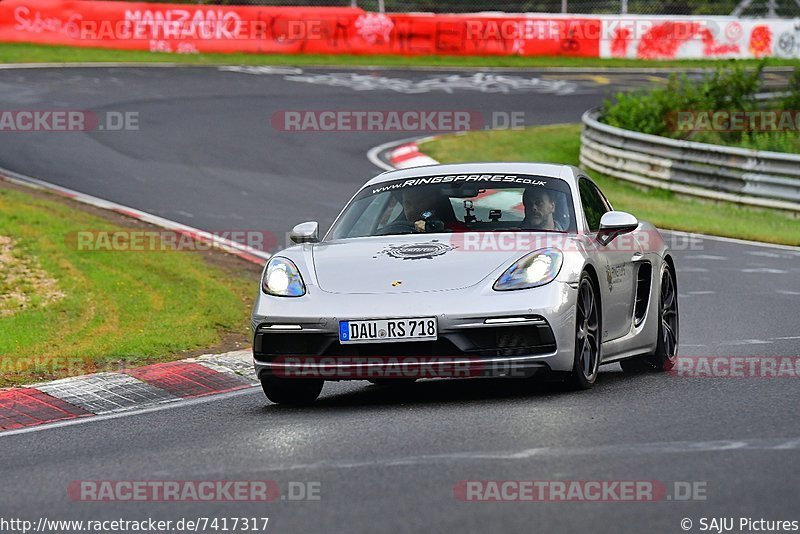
point(696, 38)
point(334, 30)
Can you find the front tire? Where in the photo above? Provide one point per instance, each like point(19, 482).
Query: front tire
point(293, 391)
point(666, 354)
point(588, 322)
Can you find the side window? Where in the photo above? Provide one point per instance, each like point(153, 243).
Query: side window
point(594, 206)
point(605, 201)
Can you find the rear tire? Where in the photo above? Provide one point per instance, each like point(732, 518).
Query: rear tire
point(291, 390)
point(588, 322)
point(636, 365)
point(663, 359)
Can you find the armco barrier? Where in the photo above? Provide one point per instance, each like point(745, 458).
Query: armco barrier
point(192, 28)
point(751, 177)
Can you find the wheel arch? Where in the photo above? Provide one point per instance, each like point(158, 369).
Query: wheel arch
point(590, 269)
point(592, 272)
point(671, 263)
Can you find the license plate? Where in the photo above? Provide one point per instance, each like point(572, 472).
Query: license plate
point(382, 330)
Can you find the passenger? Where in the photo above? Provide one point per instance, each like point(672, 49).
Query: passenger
point(539, 210)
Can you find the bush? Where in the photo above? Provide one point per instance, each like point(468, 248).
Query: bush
point(726, 89)
point(647, 111)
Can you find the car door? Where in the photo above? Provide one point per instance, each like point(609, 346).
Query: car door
point(614, 263)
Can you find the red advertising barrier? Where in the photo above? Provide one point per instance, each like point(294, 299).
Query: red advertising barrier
point(336, 30)
point(177, 28)
point(259, 29)
point(415, 34)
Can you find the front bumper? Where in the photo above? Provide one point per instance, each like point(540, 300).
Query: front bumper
point(513, 333)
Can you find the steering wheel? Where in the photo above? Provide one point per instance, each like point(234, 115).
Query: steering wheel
point(397, 227)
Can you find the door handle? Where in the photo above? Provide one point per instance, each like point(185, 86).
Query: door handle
point(637, 256)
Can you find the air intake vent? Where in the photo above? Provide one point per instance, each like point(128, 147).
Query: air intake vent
point(643, 277)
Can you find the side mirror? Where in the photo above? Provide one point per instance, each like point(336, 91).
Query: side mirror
point(614, 223)
point(307, 232)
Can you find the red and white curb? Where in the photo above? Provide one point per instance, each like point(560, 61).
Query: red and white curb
point(407, 156)
point(128, 390)
point(136, 388)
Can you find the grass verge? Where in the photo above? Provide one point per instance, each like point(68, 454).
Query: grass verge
point(665, 209)
point(34, 53)
point(79, 311)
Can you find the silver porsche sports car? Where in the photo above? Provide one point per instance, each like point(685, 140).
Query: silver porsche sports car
point(468, 270)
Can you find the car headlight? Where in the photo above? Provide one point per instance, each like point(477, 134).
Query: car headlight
point(536, 269)
point(282, 279)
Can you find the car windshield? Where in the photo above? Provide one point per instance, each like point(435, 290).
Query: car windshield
point(458, 203)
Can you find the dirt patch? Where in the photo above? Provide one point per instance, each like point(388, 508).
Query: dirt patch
point(23, 283)
point(48, 288)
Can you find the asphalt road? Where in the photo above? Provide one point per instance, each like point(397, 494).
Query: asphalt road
point(206, 154)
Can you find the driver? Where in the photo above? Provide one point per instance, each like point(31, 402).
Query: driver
point(420, 208)
point(539, 210)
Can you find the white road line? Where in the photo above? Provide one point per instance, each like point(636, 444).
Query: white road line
point(733, 240)
point(740, 342)
point(674, 447)
point(150, 409)
point(763, 254)
point(705, 257)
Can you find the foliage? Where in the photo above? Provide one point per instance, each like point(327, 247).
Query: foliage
point(655, 111)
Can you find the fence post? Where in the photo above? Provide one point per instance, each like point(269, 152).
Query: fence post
point(772, 9)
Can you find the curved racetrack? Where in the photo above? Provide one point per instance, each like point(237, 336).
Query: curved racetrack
point(207, 155)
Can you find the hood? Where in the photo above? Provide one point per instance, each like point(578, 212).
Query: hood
point(404, 264)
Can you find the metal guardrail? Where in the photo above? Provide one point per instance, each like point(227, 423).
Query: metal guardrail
point(750, 177)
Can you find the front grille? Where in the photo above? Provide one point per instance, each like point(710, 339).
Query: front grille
point(268, 344)
point(490, 341)
point(511, 340)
